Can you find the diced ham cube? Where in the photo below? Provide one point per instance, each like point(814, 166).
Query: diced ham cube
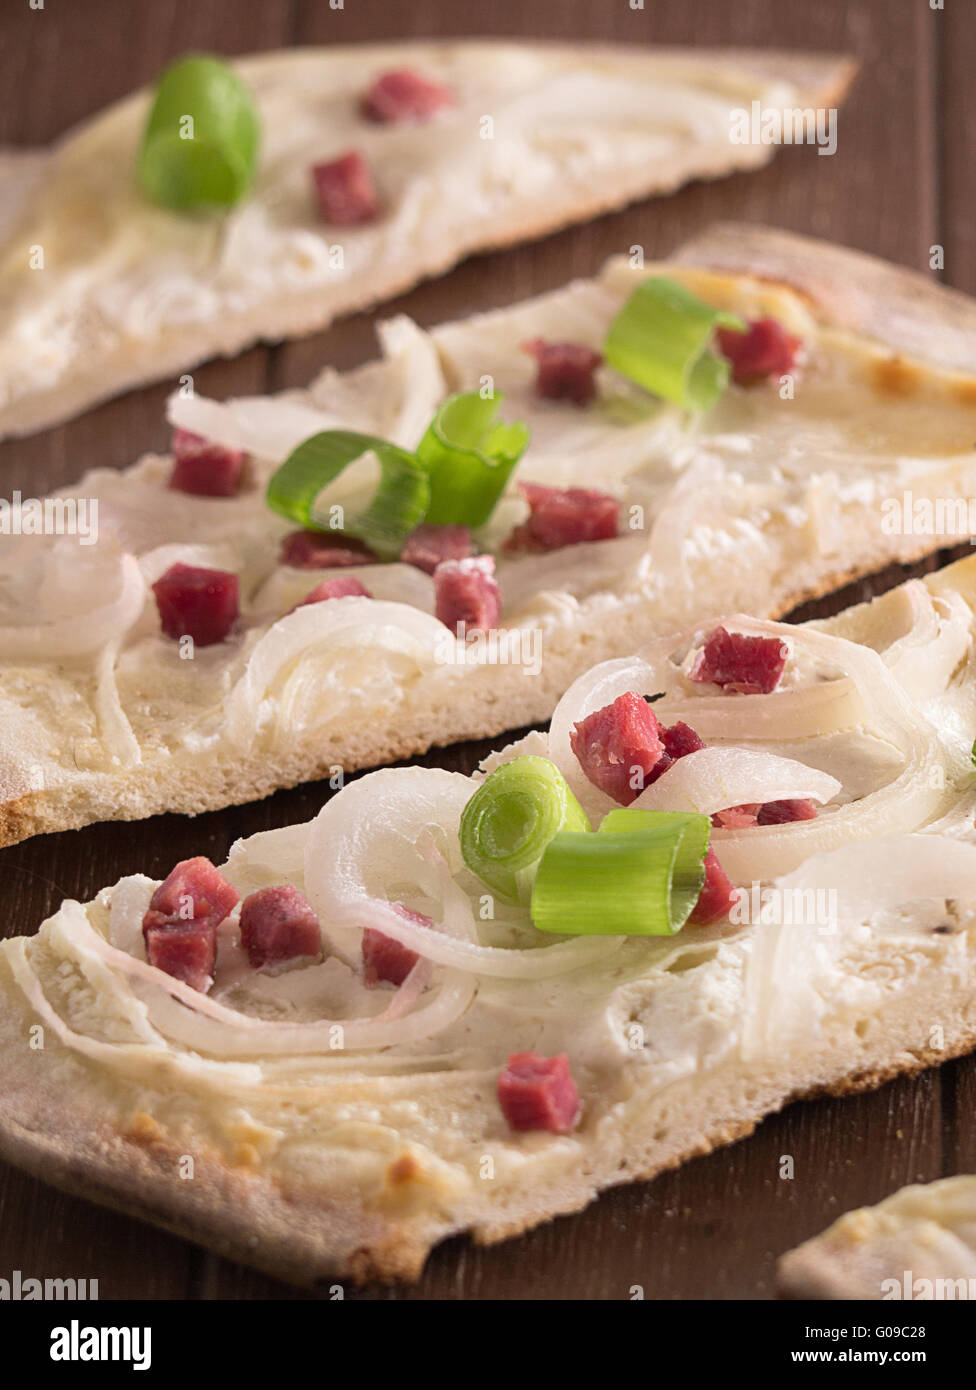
point(205, 469)
point(564, 516)
point(566, 370)
point(345, 190)
point(765, 349)
point(737, 817)
point(194, 891)
point(180, 924)
point(619, 746)
point(782, 812)
point(343, 586)
point(277, 924)
point(538, 1092)
point(466, 594)
point(717, 894)
point(321, 550)
point(385, 958)
point(405, 96)
point(679, 740)
point(197, 602)
point(185, 950)
point(428, 546)
point(750, 665)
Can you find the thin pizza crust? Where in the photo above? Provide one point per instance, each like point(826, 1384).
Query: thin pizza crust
point(315, 1175)
point(579, 130)
point(761, 549)
point(919, 1243)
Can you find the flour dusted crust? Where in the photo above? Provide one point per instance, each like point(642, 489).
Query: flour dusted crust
point(918, 1243)
point(795, 541)
point(319, 1175)
point(434, 218)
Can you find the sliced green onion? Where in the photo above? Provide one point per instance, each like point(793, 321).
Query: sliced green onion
point(201, 141)
point(640, 875)
point(398, 505)
point(470, 455)
point(510, 820)
point(972, 755)
point(660, 339)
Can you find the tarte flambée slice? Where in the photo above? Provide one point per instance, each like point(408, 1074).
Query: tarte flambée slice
point(416, 1023)
point(919, 1243)
point(102, 290)
point(627, 517)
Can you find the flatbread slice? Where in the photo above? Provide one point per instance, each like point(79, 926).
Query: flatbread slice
point(316, 1127)
point(777, 494)
point(919, 1243)
point(541, 135)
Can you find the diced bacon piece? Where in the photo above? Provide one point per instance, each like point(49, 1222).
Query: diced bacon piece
point(619, 746)
point(385, 958)
point(322, 550)
point(538, 1092)
point(197, 602)
point(782, 812)
point(405, 96)
point(277, 924)
point(679, 740)
point(185, 950)
point(764, 349)
point(466, 594)
point(345, 190)
point(428, 546)
point(750, 665)
point(566, 370)
point(737, 817)
point(343, 586)
point(180, 924)
point(204, 469)
point(717, 894)
point(194, 891)
point(564, 516)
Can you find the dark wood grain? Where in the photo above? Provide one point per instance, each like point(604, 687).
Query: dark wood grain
point(900, 182)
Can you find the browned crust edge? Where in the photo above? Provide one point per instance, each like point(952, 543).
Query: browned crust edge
point(245, 1217)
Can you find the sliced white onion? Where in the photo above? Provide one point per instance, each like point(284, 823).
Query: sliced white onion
point(826, 707)
point(940, 635)
point(85, 629)
point(906, 803)
point(267, 426)
point(715, 778)
point(374, 837)
point(186, 1016)
point(131, 1057)
point(117, 737)
point(419, 375)
point(315, 630)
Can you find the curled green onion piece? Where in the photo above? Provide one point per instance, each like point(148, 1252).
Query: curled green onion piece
point(201, 140)
point(660, 339)
point(470, 455)
point(398, 505)
point(510, 820)
point(639, 875)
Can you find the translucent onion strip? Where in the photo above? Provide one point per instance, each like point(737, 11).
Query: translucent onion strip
point(201, 1023)
point(371, 837)
point(715, 778)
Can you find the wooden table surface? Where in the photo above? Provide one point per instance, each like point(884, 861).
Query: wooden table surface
point(900, 182)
